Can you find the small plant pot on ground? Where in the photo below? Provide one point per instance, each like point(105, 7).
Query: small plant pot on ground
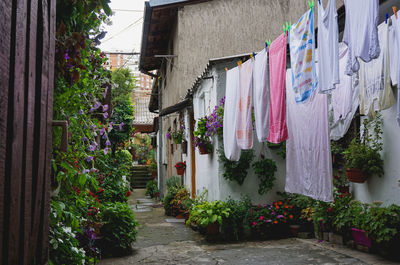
point(294, 230)
point(355, 175)
point(361, 238)
point(213, 229)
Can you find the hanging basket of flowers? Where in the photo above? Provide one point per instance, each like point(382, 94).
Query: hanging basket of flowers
point(180, 168)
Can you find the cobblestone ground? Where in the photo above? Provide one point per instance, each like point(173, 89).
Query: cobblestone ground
point(163, 242)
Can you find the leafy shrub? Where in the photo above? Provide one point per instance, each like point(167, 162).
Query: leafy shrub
point(151, 188)
point(233, 227)
point(265, 170)
point(119, 230)
point(172, 191)
point(236, 170)
point(173, 182)
point(209, 213)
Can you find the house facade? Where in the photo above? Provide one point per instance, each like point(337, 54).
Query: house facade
point(180, 38)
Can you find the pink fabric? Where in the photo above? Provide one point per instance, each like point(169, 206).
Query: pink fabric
point(277, 113)
point(244, 125)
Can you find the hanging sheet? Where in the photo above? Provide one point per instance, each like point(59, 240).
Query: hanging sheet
point(328, 51)
point(302, 46)
point(244, 124)
point(277, 111)
point(261, 95)
point(396, 26)
point(231, 149)
point(393, 55)
point(308, 152)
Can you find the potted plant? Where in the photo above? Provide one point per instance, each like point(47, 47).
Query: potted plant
point(180, 168)
point(362, 155)
point(202, 139)
point(177, 203)
point(341, 182)
point(177, 136)
point(359, 213)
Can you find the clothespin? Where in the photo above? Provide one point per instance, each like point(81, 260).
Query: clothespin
point(251, 56)
point(286, 27)
point(395, 11)
point(386, 18)
point(319, 1)
point(226, 69)
point(239, 63)
point(254, 55)
point(311, 4)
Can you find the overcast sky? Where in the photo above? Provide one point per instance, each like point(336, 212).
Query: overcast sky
point(125, 33)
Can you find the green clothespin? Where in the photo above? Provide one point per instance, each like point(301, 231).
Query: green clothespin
point(311, 4)
point(286, 27)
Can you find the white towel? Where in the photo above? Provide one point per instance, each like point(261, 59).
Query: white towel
point(244, 124)
point(261, 95)
point(308, 148)
point(231, 149)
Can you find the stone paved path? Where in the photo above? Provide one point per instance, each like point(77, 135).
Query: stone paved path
point(162, 242)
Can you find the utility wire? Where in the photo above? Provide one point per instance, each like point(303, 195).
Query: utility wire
point(128, 10)
point(127, 27)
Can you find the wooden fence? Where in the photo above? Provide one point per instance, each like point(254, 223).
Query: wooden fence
point(27, 39)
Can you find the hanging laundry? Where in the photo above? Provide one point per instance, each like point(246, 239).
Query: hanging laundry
point(308, 151)
point(375, 90)
point(396, 26)
point(302, 46)
point(231, 149)
point(244, 124)
point(328, 51)
point(393, 56)
point(261, 95)
point(277, 110)
point(342, 95)
point(361, 32)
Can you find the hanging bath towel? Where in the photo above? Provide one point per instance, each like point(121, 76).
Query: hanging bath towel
point(261, 95)
point(231, 149)
point(396, 26)
point(361, 32)
point(393, 55)
point(244, 124)
point(277, 110)
point(328, 51)
point(375, 89)
point(302, 46)
point(308, 152)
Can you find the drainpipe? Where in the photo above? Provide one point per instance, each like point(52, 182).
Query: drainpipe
point(160, 153)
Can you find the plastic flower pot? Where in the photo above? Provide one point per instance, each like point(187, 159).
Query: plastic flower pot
point(203, 150)
point(360, 237)
point(294, 230)
point(355, 175)
point(180, 171)
point(213, 229)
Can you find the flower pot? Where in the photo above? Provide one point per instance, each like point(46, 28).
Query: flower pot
point(203, 150)
point(180, 216)
point(213, 229)
point(355, 175)
point(154, 174)
point(360, 237)
point(180, 171)
point(294, 230)
point(344, 189)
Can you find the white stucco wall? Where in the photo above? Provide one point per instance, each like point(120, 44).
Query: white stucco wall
point(386, 188)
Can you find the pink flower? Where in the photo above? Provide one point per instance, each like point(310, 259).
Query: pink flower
point(261, 217)
point(255, 223)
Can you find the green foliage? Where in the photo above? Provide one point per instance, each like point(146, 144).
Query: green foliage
point(236, 170)
point(382, 223)
point(152, 188)
point(265, 170)
point(364, 153)
point(172, 191)
point(124, 84)
point(119, 230)
point(208, 213)
point(233, 227)
point(173, 182)
point(202, 139)
point(280, 148)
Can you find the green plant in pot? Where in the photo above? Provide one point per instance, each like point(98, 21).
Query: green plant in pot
point(265, 170)
point(177, 136)
point(202, 139)
point(362, 155)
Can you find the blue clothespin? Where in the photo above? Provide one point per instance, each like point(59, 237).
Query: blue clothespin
point(387, 16)
point(254, 55)
point(266, 45)
point(319, 1)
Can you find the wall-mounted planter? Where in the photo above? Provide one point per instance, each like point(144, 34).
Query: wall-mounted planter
point(180, 171)
point(355, 175)
point(203, 150)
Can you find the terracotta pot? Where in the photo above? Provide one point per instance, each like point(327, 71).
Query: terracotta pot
point(154, 174)
point(203, 150)
point(344, 189)
point(213, 229)
point(294, 230)
point(180, 216)
point(355, 175)
point(180, 171)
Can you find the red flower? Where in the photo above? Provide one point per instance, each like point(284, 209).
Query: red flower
point(291, 216)
point(128, 193)
point(100, 190)
point(275, 222)
point(280, 203)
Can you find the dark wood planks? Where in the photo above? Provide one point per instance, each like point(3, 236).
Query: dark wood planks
point(5, 41)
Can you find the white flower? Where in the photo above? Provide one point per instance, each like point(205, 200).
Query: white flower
point(67, 229)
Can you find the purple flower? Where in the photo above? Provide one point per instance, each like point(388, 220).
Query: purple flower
point(92, 148)
point(102, 131)
point(80, 112)
point(121, 125)
point(273, 213)
point(66, 56)
point(108, 143)
point(91, 110)
point(279, 216)
point(105, 150)
point(93, 169)
point(84, 139)
point(105, 92)
point(97, 105)
point(89, 158)
point(169, 136)
point(110, 126)
point(104, 136)
point(105, 108)
point(105, 115)
point(268, 221)
point(85, 171)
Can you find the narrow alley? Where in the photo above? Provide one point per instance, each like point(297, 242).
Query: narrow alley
point(166, 240)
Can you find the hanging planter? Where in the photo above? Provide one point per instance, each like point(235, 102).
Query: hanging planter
point(203, 150)
point(180, 168)
point(355, 175)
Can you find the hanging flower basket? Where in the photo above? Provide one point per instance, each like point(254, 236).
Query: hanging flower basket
point(180, 168)
point(355, 175)
point(203, 150)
